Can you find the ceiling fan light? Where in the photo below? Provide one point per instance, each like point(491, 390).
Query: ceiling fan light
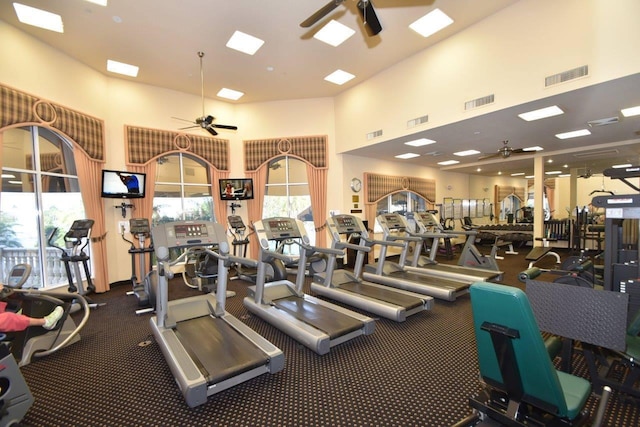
point(334, 33)
point(431, 23)
point(230, 94)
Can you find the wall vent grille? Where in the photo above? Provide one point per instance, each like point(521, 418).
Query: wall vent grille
point(599, 153)
point(479, 102)
point(565, 76)
point(374, 134)
point(417, 121)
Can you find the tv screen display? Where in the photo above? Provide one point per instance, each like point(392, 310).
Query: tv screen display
point(236, 189)
point(123, 184)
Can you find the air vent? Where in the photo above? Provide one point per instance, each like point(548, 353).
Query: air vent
point(417, 121)
point(470, 105)
point(604, 122)
point(374, 134)
point(566, 76)
point(433, 153)
point(599, 153)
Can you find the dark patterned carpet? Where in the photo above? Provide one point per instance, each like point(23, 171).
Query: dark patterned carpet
point(417, 373)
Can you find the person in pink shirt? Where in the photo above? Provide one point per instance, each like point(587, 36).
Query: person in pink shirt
point(13, 322)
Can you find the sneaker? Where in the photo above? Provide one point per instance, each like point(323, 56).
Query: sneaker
point(51, 319)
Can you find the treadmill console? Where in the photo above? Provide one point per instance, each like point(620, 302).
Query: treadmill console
point(427, 219)
point(393, 222)
point(347, 224)
point(235, 222)
point(182, 234)
point(281, 228)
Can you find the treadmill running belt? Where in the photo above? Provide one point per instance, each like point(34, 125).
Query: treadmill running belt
point(482, 275)
point(333, 323)
point(381, 294)
point(430, 281)
point(219, 350)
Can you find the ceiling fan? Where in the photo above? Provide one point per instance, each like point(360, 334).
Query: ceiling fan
point(365, 7)
point(205, 122)
point(505, 151)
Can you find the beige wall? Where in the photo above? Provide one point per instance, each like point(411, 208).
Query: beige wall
point(507, 54)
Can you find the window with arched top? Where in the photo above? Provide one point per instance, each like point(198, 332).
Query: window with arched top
point(182, 189)
point(40, 200)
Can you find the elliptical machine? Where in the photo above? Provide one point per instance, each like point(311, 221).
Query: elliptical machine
point(76, 240)
point(139, 227)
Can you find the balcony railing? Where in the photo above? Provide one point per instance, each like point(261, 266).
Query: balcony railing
point(54, 267)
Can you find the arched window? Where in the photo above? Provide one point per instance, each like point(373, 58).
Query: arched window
point(509, 207)
point(182, 189)
point(287, 192)
point(40, 192)
point(402, 203)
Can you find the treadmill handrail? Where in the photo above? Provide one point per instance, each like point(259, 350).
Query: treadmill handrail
point(343, 245)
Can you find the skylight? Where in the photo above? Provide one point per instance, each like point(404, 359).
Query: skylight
point(407, 156)
point(334, 33)
point(431, 23)
point(541, 113)
point(448, 162)
point(99, 2)
point(339, 77)
point(534, 148)
point(632, 111)
point(466, 153)
point(573, 134)
point(39, 18)
point(244, 43)
point(122, 68)
point(420, 142)
point(230, 94)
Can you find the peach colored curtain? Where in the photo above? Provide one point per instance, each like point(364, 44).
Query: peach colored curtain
point(254, 207)
point(219, 206)
point(317, 178)
point(90, 177)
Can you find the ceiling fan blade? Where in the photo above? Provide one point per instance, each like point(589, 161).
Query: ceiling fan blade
point(189, 127)
point(490, 156)
point(211, 130)
point(369, 17)
point(224, 126)
point(321, 13)
point(518, 151)
point(184, 120)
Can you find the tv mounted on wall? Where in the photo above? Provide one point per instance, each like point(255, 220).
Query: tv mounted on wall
point(123, 184)
point(236, 189)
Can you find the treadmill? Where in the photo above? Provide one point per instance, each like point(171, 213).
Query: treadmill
point(317, 324)
point(397, 275)
point(207, 349)
point(349, 288)
point(429, 229)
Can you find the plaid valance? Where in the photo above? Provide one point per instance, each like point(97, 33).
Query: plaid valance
point(503, 191)
point(313, 149)
point(18, 107)
point(145, 144)
point(379, 186)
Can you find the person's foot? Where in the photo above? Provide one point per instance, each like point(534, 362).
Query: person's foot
point(51, 319)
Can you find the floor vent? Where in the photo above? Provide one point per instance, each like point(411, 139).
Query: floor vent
point(566, 76)
point(417, 121)
point(374, 134)
point(475, 103)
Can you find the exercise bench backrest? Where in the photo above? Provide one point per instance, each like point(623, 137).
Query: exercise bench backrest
point(509, 307)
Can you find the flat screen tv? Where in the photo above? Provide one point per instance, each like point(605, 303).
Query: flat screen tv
point(123, 184)
point(236, 189)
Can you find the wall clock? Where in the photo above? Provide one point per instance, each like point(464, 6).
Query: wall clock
point(356, 185)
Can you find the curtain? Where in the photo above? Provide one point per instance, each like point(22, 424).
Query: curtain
point(89, 176)
point(317, 178)
point(220, 207)
point(254, 207)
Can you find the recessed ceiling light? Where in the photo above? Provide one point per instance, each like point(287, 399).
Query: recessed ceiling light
point(499, 172)
point(431, 23)
point(550, 161)
point(229, 94)
point(14, 182)
point(99, 2)
point(530, 176)
point(573, 134)
point(334, 33)
point(553, 173)
point(541, 113)
point(407, 156)
point(478, 170)
point(39, 18)
point(244, 43)
point(517, 174)
point(564, 175)
point(632, 111)
point(448, 162)
point(534, 148)
point(339, 77)
point(626, 165)
point(420, 142)
point(466, 153)
point(8, 175)
point(122, 68)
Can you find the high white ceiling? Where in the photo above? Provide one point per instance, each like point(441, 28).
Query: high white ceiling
point(163, 38)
